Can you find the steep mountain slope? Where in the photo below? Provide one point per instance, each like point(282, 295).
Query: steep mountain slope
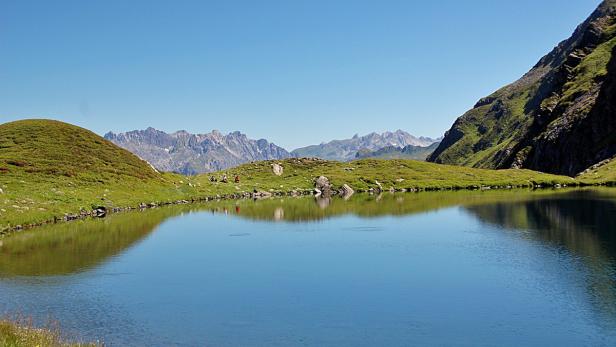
point(394, 152)
point(195, 153)
point(560, 117)
point(344, 150)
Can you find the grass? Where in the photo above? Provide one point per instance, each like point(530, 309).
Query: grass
point(25, 335)
point(49, 169)
point(397, 174)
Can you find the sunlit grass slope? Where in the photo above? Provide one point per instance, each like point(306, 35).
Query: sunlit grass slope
point(48, 168)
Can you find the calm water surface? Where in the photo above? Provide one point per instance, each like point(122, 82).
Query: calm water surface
point(467, 268)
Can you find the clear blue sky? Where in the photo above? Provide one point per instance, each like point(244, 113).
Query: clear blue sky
point(294, 72)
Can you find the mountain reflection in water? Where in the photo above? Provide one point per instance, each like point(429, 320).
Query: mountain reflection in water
point(580, 222)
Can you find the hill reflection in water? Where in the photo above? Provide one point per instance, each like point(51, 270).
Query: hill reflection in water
point(583, 221)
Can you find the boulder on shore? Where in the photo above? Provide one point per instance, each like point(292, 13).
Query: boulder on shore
point(322, 184)
point(346, 191)
point(100, 211)
point(379, 185)
point(261, 194)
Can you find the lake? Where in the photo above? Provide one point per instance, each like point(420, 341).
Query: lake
point(503, 268)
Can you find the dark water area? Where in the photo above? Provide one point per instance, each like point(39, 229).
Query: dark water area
point(459, 268)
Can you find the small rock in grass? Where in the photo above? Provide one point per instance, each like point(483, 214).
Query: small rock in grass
point(277, 169)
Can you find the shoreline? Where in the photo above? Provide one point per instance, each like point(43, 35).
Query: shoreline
point(102, 212)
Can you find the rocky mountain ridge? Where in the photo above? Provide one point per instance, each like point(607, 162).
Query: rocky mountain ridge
point(188, 153)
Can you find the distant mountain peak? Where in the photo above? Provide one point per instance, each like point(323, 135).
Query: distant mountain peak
point(109, 134)
point(346, 149)
point(396, 152)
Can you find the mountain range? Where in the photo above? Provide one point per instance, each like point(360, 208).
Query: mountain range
point(188, 153)
point(560, 117)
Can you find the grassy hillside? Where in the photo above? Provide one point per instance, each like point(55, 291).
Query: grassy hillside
point(46, 147)
point(49, 169)
point(559, 117)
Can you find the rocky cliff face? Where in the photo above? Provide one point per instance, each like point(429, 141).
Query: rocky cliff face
point(344, 150)
point(560, 117)
point(195, 153)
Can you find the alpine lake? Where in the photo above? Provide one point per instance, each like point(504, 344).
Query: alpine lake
point(469, 268)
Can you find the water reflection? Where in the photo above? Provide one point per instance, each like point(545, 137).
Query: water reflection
point(583, 221)
point(580, 222)
point(300, 210)
point(67, 248)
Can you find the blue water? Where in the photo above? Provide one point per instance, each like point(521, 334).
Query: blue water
point(459, 275)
